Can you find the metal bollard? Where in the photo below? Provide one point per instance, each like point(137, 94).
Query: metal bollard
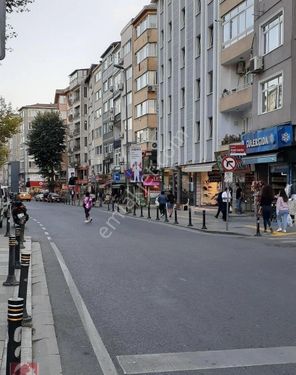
point(113, 206)
point(258, 234)
point(190, 218)
point(204, 220)
point(22, 236)
point(141, 211)
point(7, 234)
point(157, 213)
point(23, 287)
point(117, 207)
point(149, 215)
point(135, 209)
point(17, 264)
point(176, 216)
point(11, 280)
point(14, 319)
point(166, 220)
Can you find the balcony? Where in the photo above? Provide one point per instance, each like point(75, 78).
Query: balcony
point(239, 50)
point(236, 100)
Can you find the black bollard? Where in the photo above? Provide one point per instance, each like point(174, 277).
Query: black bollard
point(176, 216)
point(7, 234)
point(190, 218)
point(149, 216)
point(17, 264)
point(113, 206)
point(166, 220)
point(141, 211)
point(126, 209)
point(117, 207)
point(14, 319)
point(258, 234)
point(23, 287)
point(135, 209)
point(204, 220)
point(11, 280)
point(157, 213)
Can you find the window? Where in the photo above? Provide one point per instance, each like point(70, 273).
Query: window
point(85, 92)
point(106, 107)
point(117, 106)
point(210, 128)
point(182, 136)
point(210, 36)
point(182, 24)
point(85, 141)
point(197, 46)
point(129, 98)
point(197, 87)
point(170, 67)
point(148, 78)
point(126, 48)
point(129, 122)
point(197, 131)
point(183, 56)
point(170, 29)
point(147, 107)
point(98, 76)
point(85, 125)
point(149, 50)
point(105, 86)
point(170, 104)
point(129, 73)
point(272, 33)
point(272, 94)
point(210, 82)
point(142, 136)
point(98, 94)
point(197, 6)
point(182, 97)
point(98, 113)
point(85, 109)
point(150, 22)
point(161, 38)
point(85, 157)
point(238, 23)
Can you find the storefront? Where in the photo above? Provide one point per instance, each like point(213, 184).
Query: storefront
point(272, 155)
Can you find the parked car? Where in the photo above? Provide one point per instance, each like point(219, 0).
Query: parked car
point(53, 197)
point(24, 197)
point(39, 197)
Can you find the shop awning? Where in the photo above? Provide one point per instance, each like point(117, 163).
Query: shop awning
point(260, 159)
point(204, 167)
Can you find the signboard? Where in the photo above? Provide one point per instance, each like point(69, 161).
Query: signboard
point(237, 150)
point(116, 177)
point(228, 163)
point(269, 139)
point(2, 28)
point(136, 163)
point(228, 177)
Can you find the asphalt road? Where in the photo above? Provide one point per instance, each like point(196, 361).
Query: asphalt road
point(152, 288)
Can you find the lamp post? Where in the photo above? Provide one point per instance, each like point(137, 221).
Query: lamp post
point(122, 68)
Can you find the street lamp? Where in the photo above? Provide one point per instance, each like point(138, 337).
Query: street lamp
point(122, 68)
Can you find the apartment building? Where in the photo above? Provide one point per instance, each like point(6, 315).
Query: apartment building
point(270, 141)
point(78, 124)
point(29, 175)
point(188, 96)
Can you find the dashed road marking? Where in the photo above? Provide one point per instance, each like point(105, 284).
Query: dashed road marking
point(46, 233)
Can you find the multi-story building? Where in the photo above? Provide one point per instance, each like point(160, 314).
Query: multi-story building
point(270, 144)
point(144, 89)
point(29, 172)
point(78, 125)
point(188, 96)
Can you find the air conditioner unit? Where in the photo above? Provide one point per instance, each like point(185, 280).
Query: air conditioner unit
point(154, 145)
point(120, 86)
point(111, 88)
point(256, 64)
point(241, 68)
point(151, 88)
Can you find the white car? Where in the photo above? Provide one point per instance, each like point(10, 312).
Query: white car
point(39, 197)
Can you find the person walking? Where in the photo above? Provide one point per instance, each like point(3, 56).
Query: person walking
point(239, 199)
point(282, 211)
point(87, 205)
point(162, 200)
point(220, 204)
point(266, 200)
point(226, 197)
point(170, 203)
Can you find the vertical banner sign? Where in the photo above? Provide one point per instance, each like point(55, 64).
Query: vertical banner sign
point(2, 28)
point(136, 163)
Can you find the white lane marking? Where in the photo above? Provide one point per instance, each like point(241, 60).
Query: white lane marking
point(42, 227)
point(38, 222)
point(49, 238)
point(191, 361)
point(46, 233)
point(99, 348)
point(34, 220)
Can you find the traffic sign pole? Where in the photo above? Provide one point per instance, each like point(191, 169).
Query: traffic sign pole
point(2, 28)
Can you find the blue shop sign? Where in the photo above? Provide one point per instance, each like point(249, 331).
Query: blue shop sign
point(116, 177)
point(269, 139)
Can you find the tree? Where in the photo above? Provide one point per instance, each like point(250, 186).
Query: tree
point(17, 6)
point(46, 143)
point(9, 125)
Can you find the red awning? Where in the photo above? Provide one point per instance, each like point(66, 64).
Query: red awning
point(36, 183)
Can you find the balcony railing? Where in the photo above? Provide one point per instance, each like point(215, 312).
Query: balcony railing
point(236, 99)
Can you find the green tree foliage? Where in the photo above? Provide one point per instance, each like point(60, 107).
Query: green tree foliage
point(17, 6)
point(9, 125)
point(46, 143)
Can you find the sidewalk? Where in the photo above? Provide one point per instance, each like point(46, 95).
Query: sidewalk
point(243, 225)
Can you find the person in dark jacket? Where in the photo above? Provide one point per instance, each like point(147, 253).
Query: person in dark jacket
point(162, 200)
point(19, 213)
point(220, 204)
point(267, 197)
point(170, 203)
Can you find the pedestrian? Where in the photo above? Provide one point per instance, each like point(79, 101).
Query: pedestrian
point(282, 211)
point(239, 198)
point(19, 213)
point(170, 203)
point(162, 200)
point(87, 205)
point(220, 204)
point(226, 198)
point(267, 197)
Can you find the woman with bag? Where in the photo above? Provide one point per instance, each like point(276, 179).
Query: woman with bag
point(282, 210)
point(266, 200)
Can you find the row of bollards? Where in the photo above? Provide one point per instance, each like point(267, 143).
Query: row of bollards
point(17, 315)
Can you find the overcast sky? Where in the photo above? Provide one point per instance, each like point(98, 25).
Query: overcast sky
point(55, 38)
